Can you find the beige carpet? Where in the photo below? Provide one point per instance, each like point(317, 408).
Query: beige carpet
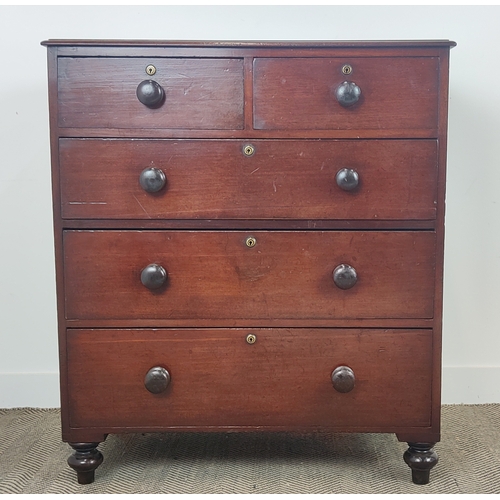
point(33, 459)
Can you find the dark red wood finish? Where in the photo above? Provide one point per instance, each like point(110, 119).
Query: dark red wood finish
point(208, 179)
point(299, 93)
point(214, 275)
point(107, 44)
point(282, 380)
point(199, 93)
point(388, 328)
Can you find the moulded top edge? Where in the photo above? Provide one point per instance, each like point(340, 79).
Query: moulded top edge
point(253, 44)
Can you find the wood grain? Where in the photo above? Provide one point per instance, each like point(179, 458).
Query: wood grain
point(199, 93)
point(397, 93)
point(212, 179)
point(213, 274)
point(279, 96)
point(220, 380)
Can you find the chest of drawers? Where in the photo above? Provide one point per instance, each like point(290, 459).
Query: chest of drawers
point(249, 236)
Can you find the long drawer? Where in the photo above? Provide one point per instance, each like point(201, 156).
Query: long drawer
point(216, 378)
point(245, 275)
point(301, 93)
point(207, 179)
point(198, 93)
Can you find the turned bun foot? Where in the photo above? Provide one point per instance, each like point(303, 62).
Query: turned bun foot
point(85, 461)
point(421, 458)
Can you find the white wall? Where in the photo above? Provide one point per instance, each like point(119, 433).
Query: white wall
point(28, 348)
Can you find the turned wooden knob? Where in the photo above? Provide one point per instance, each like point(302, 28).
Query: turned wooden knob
point(157, 380)
point(343, 379)
point(152, 180)
point(345, 276)
point(150, 93)
point(153, 276)
point(347, 94)
point(347, 179)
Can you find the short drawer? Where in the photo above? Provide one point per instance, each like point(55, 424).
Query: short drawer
point(198, 93)
point(299, 93)
point(216, 378)
point(241, 275)
point(212, 179)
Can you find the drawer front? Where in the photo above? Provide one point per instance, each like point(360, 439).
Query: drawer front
point(198, 93)
point(215, 274)
point(298, 93)
point(218, 379)
point(396, 179)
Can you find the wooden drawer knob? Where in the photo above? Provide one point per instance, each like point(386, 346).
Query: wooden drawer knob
point(157, 380)
point(343, 379)
point(152, 180)
point(347, 179)
point(345, 276)
point(150, 93)
point(153, 276)
point(347, 94)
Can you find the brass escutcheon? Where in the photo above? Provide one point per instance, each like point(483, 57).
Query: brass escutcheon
point(248, 150)
point(150, 70)
point(251, 338)
point(250, 242)
point(347, 69)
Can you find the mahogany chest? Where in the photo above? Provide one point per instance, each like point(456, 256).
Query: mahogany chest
point(249, 236)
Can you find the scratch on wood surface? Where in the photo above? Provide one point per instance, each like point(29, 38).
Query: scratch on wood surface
point(274, 186)
point(145, 211)
point(186, 90)
point(253, 171)
point(87, 203)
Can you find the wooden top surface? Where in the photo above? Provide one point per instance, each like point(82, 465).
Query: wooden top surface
point(254, 44)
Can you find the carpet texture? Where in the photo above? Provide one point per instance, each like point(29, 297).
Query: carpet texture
point(33, 459)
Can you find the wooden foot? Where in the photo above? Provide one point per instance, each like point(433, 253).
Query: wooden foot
point(85, 461)
point(421, 458)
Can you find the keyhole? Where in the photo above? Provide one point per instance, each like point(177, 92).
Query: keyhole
point(251, 242)
point(251, 338)
point(150, 70)
point(248, 150)
point(347, 69)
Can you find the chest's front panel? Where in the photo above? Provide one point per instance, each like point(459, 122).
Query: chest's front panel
point(249, 236)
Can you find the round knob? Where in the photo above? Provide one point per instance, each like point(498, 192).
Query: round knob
point(348, 93)
point(345, 276)
point(153, 276)
point(343, 379)
point(152, 180)
point(150, 93)
point(347, 179)
point(157, 379)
